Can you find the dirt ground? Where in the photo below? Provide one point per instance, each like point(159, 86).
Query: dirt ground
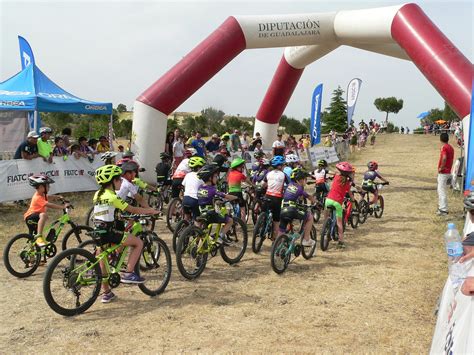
point(376, 296)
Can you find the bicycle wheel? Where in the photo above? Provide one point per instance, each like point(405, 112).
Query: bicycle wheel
point(363, 211)
point(238, 235)
point(155, 201)
point(72, 282)
point(255, 210)
point(379, 211)
point(325, 234)
point(308, 252)
point(174, 214)
point(75, 236)
point(190, 260)
point(316, 215)
point(90, 245)
point(21, 256)
point(354, 216)
point(280, 255)
point(154, 265)
point(90, 217)
point(180, 227)
point(259, 233)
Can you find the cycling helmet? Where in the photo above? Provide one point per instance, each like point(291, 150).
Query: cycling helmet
point(258, 154)
point(128, 154)
point(219, 160)
point(108, 155)
point(277, 160)
point(206, 172)
point(188, 153)
point(236, 163)
point(39, 179)
point(469, 201)
point(122, 161)
point(45, 130)
point(196, 162)
point(298, 174)
point(225, 136)
point(372, 165)
point(165, 156)
point(322, 163)
point(265, 162)
point(292, 158)
point(130, 165)
point(106, 173)
point(344, 167)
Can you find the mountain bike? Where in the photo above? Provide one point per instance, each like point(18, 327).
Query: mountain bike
point(263, 227)
point(22, 255)
point(290, 243)
point(255, 207)
point(195, 244)
point(73, 280)
point(366, 209)
point(157, 199)
point(329, 230)
point(351, 212)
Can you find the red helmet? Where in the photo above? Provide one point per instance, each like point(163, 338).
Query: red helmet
point(372, 165)
point(344, 167)
point(121, 161)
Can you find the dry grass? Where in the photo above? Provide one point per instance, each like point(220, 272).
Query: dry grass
point(376, 296)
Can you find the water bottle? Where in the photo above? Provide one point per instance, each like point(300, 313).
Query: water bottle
point(454, 250)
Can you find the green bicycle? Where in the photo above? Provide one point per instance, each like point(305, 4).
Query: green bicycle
point(22, 255)
point(73, 280)
point(291, 243)
point(196, 244)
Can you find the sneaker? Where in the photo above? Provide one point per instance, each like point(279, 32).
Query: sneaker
point(308, 243)
point(341, 245)
point(223, 240)
point(441, 213)
point(131, 278)
point(40, 241)
point(108, 297)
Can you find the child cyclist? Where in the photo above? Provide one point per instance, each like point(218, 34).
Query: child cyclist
point(290, 210)
point(206, 193)
point(341, 185)
point(369, 184)
point(320, 176)
point(36, 216)
point(191, 183)
point(235, 177)
point(107, 206)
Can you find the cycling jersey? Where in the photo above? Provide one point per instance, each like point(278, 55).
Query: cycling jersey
point(206, 194)
point(140, 183)
point(320, 176)
point(127, 189)
point(191, 185)
point(371, 175)
point(259, 176)
point(275, 182)
point(235, 179)
point(162, 171)
point(338, 190)
point(107, 206)
point(182, 169)
point(293, 192)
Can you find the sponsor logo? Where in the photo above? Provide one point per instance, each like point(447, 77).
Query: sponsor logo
point(96, 107)
point(14, 93)
point(12, 103)
point(315, 127)
point(288, 29)
point(50, 173)
point(55, 96)
point(18, 178)
point(73, 172)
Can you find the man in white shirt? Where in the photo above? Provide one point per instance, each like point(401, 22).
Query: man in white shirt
point(128, 190)
point(279, 146)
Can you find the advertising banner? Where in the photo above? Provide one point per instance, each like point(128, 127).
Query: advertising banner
point(13, 130)
point(352, 95)
point(69, 175)
point(315, 126)
point(327, 153)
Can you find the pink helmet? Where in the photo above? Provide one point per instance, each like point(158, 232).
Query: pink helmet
point(344, 167)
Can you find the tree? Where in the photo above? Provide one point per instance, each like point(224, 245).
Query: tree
point(335, 116)
point(388, 105)
point(307, 123)
point(172, 125)
point(203, 123)
point(189, 124)
point(434, 114)
point(292, 126)
point(123, 129)
point(121, 108)
point(449, 114)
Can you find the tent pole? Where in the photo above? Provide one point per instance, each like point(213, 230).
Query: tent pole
point(35, 121)
point(111, 133)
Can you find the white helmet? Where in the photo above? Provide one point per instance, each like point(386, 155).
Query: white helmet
point(39, 179)
point(108, 155)
point(45, 130)
point(292, 158)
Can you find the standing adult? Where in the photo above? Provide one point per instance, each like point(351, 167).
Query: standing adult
point(178, 151)
point(66, 136)
point(45, 148)
point(169, 143)
point(28, 149)
point(445, 163)
point(255, 141)
point(278, 146)
point(235, 143)
point(213, 144)
point(199, 145)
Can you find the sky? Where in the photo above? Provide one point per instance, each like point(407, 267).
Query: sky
point(112, 51)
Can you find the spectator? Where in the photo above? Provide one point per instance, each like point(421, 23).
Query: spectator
point(28, 149)
point(244, 141)
point(225, 141)
point(353, 141)
point(327, 141)
point(45, 149)
point(306, 141)
point(177, 133)
point(402, 130)
point(84, 149)
point(121, 148)
point(408, 130)
point(66, 136)
point(235, 141)
point(59, 149)
point(93, 145)
point(291, 146)
point(190, 140)
point(103, 145)
point(278, 146)
point(75, 150)
point(213, 144)
point(445, 163)
point(169, 143)
point(199, 145)
point(178, 151)
point(256, 140)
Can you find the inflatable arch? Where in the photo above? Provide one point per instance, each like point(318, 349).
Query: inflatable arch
point(402, 31)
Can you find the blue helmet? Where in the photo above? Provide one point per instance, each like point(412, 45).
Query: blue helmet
point(277, 160)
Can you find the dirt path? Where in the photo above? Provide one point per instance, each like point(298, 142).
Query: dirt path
point(378, 295)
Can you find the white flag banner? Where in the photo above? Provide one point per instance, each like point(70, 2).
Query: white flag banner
point(13, 129)
point(327, 153)
point(69, 175)
point(352, 95)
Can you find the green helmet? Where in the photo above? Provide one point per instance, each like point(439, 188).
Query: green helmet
point(196, 162)
point(237, 162)
point(106, 173)
point(298, 174)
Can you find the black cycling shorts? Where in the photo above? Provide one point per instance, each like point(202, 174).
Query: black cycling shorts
point(214, 217)
point(111, 233)
point(32, 223)
point(240, 198)
point(274, 204)
point(369, 188)
point(176, 187)
point(290, 213)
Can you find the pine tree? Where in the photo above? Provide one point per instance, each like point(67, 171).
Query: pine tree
point(335, 116)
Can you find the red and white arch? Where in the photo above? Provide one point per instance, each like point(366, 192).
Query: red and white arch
point(402, 31)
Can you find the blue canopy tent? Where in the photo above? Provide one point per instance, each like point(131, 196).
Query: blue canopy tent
point(32, 90)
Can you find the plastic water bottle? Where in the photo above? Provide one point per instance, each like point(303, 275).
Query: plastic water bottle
point(454, 250)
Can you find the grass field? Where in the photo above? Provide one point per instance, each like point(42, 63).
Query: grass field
point(376, 296)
